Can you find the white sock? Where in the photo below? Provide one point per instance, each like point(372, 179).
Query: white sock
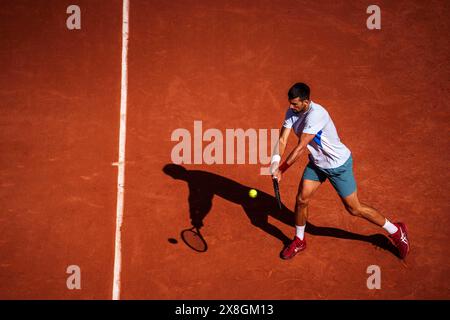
point(389, 227)
point(300, 231)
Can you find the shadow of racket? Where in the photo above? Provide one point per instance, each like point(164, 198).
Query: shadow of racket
point(194, 240)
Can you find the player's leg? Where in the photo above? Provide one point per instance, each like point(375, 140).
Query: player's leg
point(343, 181)
point(310, 182)
point(358, 209)
point(397, 231)
point(306, 189)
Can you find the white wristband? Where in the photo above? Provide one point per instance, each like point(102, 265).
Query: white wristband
point(275, 158)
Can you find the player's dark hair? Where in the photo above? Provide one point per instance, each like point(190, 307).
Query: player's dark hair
point(299, 90)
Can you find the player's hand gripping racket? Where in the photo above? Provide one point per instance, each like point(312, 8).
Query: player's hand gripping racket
point(276, 189)
point(194, 239)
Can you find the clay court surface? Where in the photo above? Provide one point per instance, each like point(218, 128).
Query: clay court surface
point(228, 64)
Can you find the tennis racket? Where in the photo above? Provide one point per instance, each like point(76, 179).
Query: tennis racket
point(276, 189)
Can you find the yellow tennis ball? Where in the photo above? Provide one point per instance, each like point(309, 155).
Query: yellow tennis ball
point(252, 193)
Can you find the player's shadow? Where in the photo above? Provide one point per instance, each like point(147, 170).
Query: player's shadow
point(203, 186)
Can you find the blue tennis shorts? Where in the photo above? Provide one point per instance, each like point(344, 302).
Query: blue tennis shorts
point(341, 178)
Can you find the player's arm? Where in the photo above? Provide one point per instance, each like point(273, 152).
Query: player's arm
point(305, 138)
point(283, 140)
point(303, 141)
point(280, 147)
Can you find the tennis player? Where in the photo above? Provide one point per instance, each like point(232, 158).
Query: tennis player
point(329, 159)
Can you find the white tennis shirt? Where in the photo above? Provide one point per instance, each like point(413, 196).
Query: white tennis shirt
point(326, 149)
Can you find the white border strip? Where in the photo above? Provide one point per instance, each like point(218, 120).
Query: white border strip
point(121, 164)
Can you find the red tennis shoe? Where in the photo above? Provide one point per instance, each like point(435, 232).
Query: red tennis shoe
point(293, 248)
point(400, 239)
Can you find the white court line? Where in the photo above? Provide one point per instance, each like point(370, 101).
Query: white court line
point(121, 163)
